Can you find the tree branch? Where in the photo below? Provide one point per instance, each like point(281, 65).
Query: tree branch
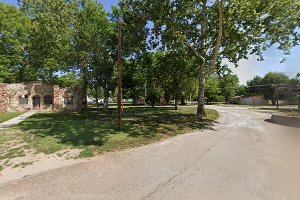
point(183, 39)
point(216, 50)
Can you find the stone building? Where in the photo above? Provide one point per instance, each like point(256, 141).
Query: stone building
point(38, 96)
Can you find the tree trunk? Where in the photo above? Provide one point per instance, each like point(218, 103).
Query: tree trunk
point(202, 75)
point(97, 103)
point(201, 107)
point(273, 101)
point(201, 99)
point(135, 100)
point(176, 103)
point(106, 97)
point(167, 98)
point(182, 101)
point(83, 66)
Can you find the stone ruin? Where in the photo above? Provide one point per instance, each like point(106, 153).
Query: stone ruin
point(22, 97)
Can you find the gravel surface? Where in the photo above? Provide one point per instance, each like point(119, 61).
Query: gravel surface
point(240, 158)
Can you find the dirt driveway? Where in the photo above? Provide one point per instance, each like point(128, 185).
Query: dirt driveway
point(243, 157)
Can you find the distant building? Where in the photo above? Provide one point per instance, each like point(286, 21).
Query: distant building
point(243, 100)
point(38, 96)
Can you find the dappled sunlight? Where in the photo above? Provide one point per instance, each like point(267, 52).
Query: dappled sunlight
point(140, 125)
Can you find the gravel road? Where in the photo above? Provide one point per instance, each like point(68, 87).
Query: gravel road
point(241, 157)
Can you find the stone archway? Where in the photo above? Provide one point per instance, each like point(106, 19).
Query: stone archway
point(36, 102)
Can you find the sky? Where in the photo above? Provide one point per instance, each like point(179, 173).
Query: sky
point(247, 68)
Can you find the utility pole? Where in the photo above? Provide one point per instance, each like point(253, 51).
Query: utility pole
point(120, 24)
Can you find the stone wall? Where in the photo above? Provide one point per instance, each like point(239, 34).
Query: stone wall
point(72, 95)
point(35, 96)
point(3, 98)
point(57, 99)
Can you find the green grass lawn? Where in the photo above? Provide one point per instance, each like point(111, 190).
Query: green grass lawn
point(9, 115)
point(283, 109)
point(52, 132)
point(288, 110)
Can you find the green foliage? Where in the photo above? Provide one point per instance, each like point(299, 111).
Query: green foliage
point(241, 90)
point(14, 36)
point(229, 84)
point(254, 86)
point(95, 49)
point(213, 90)
point(177, 71)
point(268, 86)
point(138, 71)
point(69, 80)
point(74, 43)
point(50, 41)
point(153, 95)
point(222, 87)
point(250, 27)
point(272, 80)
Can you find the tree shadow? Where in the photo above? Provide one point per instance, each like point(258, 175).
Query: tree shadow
point(85, 128)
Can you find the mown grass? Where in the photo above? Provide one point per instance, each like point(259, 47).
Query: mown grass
point(52, 132)
point(9, 115)
point(289, 110)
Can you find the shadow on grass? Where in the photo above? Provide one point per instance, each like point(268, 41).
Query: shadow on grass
point(85, 129)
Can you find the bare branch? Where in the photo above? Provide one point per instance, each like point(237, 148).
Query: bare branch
point(195, 51)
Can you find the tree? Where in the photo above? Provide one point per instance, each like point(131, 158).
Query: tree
point(14, 37)
point(213, 90)
point(173, 71)
point(229, 85)
point(268, 85)
point(241, 90)
point(49, 46)
point(250, 27)
point(91, 44)
point(295, 80)
point(138, 71)
point(272, 81)
point(69, 80)
point(104, 63)
point(254, 86)
point(153, 95)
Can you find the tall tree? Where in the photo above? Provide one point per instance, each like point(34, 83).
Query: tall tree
point(229, 84)
point(92, 31)
point(271, 82)
point(213, 90)
point(254, 86)
point(50, 36)
point(268, 85)
point(250, 27)
point(14, 38)
point(174, 71)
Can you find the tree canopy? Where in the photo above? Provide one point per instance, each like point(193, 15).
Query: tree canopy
point(168, 45)
point(214, 30)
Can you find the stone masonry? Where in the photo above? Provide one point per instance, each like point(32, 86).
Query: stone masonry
point(37, 96)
